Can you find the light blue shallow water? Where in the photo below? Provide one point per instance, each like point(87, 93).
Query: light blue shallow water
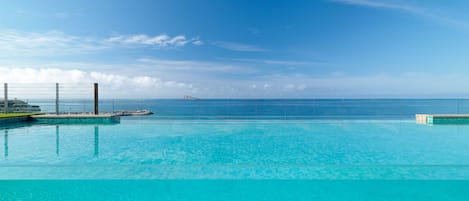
point(153, 159)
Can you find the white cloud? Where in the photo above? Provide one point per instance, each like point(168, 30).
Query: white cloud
point(46, 15)
point(281, 62)
point(379, 4)
point(194, 66)
point(411, 9)
point(404, 85)
point(56, 43)
point(301, 87)
point(25, 81)
point(158, 40)
point(289, 86)
point(61, 15)
point(330, 86)
point(153, 79)
point(52, 42)
point(295, 87)
point(197, 41)
point(239, 47)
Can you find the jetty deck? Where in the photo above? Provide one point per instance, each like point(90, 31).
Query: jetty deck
point(442, 119)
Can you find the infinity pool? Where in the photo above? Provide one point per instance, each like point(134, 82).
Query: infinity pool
point(147, 158)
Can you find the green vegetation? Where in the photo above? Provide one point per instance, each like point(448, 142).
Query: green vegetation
point(12, 115)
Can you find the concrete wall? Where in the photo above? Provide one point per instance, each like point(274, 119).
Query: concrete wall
point(13, 120)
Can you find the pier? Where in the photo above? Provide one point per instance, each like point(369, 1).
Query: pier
point(442, 119)
point(16, 111)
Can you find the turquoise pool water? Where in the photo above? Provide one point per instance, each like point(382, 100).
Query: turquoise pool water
point(153, 159)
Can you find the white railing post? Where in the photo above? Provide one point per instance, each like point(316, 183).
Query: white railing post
point(57, 98)
point(5, 103)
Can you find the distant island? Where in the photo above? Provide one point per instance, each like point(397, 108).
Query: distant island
point(190, 98)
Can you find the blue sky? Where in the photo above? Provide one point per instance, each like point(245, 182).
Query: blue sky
point(240, 49)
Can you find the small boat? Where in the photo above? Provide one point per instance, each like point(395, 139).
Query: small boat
point(133, 113)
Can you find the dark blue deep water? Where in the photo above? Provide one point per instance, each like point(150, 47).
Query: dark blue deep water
point(272, 108)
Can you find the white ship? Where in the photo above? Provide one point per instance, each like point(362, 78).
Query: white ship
point(19, 106)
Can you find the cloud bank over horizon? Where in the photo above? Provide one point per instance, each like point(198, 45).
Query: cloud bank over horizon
point(24, 83)
point(26, 80)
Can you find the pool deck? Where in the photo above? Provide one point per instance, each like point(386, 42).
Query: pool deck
point(12, 118)
point(86, 118)
point(442, 119)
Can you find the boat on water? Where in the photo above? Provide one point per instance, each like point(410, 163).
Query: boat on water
point(18, 106)
point(133, 113)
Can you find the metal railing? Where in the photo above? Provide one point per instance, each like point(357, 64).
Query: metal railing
point(68, 98)
point(48, 98)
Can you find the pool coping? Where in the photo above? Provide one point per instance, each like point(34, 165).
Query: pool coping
point(63, 119)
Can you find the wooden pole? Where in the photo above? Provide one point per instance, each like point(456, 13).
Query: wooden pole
point(96, 108)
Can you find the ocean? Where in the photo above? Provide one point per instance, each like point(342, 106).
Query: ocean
point(271, 108)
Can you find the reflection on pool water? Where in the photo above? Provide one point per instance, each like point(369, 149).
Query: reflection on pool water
point(146, 158)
